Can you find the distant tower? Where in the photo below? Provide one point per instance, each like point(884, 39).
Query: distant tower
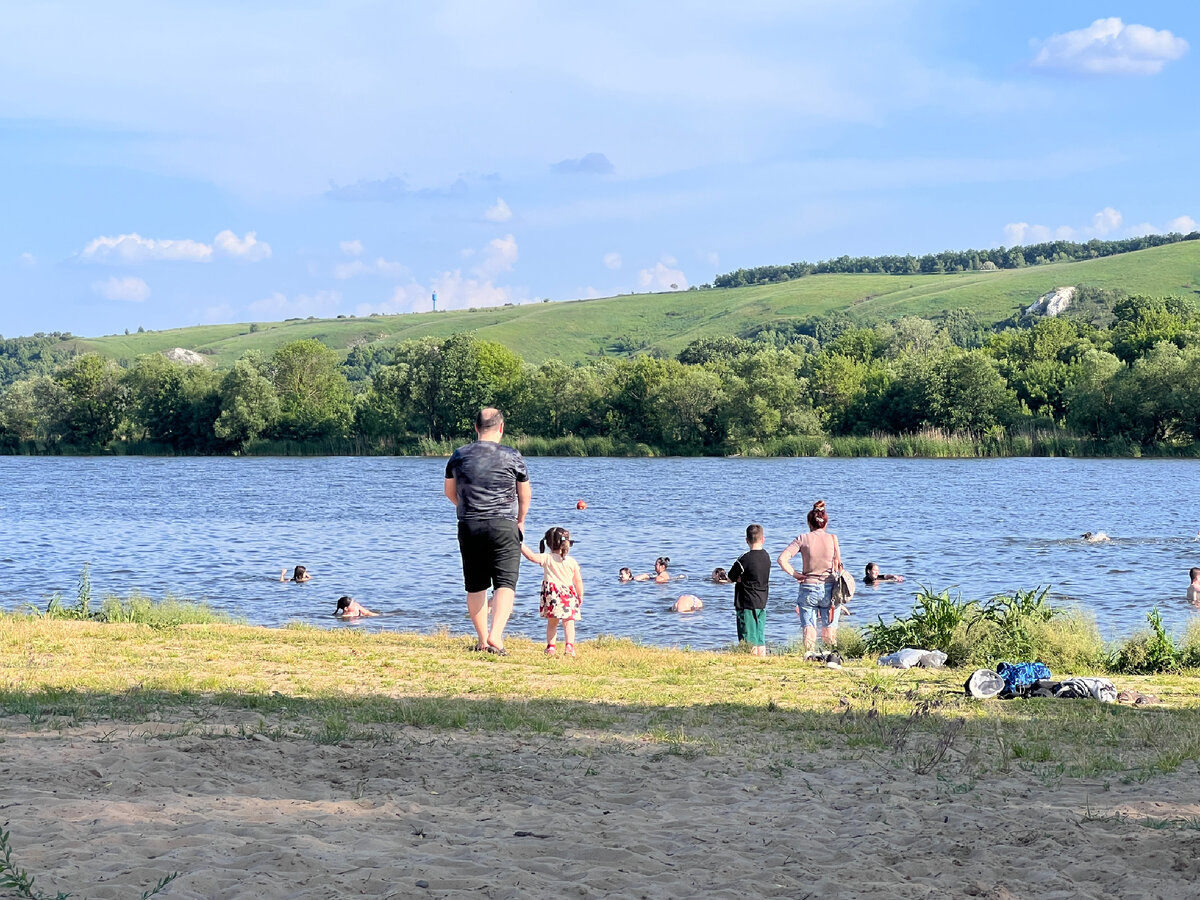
point(435, 301)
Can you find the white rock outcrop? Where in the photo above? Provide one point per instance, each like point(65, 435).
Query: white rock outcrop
point(1053, 302)
point(188, 357)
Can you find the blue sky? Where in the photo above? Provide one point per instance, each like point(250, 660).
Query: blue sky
point(166, 164)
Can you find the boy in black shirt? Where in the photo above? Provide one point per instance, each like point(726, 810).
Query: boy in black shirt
point(751, 575)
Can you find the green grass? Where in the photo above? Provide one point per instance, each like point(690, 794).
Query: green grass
point(576, 330)
point(333, 687)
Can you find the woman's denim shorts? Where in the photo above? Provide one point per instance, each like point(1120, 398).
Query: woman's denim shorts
point(813, 602)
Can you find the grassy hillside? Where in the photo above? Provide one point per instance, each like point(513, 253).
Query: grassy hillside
point(579, 329)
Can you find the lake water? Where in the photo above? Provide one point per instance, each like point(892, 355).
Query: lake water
point(380, 530)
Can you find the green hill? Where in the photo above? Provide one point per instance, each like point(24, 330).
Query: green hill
point(576, 330)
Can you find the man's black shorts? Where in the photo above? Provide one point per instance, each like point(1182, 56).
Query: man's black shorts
point(491, 553)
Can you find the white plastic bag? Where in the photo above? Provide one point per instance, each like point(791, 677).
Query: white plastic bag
point(903, 659)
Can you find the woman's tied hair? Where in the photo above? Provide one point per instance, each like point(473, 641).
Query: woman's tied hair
point(817, 517)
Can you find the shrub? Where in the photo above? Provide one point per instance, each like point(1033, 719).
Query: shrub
point(1147, 653)
point(939, 621)
point(141, 609)
point(850, 643)
point(1005, 627)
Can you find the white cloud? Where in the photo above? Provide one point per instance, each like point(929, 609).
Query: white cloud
point(612, 260)
point(278, 305)
point(500, 255)
point(662, 278)
point(1110, 47)
point(380, 266)
point(1105, 222)
point(456, 292)
point(133, 248)
point(248, 248)
point(129, 289)
point(351, 248)
point(498, 213)
point(28, 259)
point(712, 258)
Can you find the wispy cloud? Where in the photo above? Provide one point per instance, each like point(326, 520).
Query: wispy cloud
point(588, 164)
point(395, 189)
point(129, 249)
point(351, 248)
point(500, 255)
point(663, 277)
point(612, 260)
point(28, 259)
point(1105, 224)
point(129, 288)
point(498, 213)
point(1110, 47)
point(248, 248)
point(382, 267)
point(279, 305)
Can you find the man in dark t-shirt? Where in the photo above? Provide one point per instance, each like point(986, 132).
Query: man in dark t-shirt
point(489, 486)
point(751, 575)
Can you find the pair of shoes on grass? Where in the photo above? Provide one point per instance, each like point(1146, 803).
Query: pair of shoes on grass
point(568, 650)
point(831, 660)
point(489, 647)
point(1136, 698)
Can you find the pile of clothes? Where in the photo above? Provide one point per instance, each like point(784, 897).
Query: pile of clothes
point(1033, 679)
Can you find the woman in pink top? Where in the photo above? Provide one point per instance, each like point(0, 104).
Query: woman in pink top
point(822, 561)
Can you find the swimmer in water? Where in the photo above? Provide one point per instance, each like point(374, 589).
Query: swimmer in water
point(1193, 594)
point(687, 603)
point(719, 576)
point(626, 575)
point(661, 575)
point(874, 576)
point(349, 608)
point(1098, 537)
point(299, 574)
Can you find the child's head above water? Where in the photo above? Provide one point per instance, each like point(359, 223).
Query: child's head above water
point(1194, 573)
point(343, 604)
point(557, 540)
point(626, 574)
point(300, 573)
point(720, 576)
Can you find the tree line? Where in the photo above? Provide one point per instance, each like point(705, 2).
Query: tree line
point(950, 261)
point(1132, 384)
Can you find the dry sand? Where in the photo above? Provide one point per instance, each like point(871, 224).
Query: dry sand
point(104, 813)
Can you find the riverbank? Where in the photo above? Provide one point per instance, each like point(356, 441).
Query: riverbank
point(929, 443)
point(303, 763)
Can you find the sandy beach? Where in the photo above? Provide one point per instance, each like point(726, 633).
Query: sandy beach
point(104, 810)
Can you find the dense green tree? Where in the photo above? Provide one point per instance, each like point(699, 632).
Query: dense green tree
point(174, 403)
point(249, 405)
point(314, 397)
point(93, 400)
point(686, 403)
point(968, 393)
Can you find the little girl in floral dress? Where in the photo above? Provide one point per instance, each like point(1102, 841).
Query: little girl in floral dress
point(562, 587)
